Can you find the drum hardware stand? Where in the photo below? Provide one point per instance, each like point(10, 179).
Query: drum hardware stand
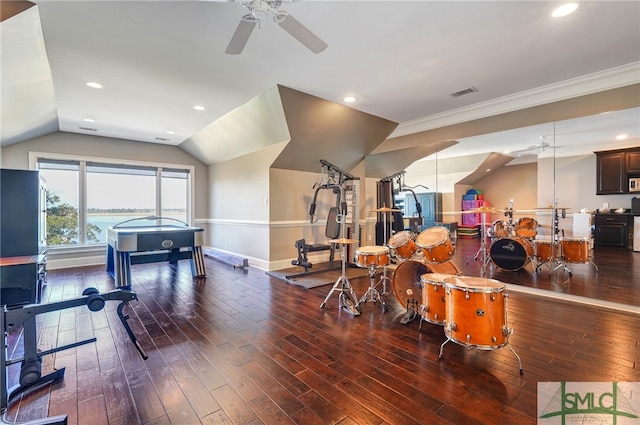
point(347, 298)
point(372, 293)
point(482, 251)
point(31, 363)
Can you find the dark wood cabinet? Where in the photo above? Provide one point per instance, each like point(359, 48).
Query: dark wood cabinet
point(633, 163)
point(22, 236)
point(613, 229)
point(610, 173)
point(614, 168)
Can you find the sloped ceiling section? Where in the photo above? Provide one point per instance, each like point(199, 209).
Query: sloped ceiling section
point(255, 125)
point(321, 129)
point(492, 162)
point(28, 103)
point(385, 164)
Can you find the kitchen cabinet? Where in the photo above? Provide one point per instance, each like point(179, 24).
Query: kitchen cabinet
point(610, 173)
point(633, 163)
point(613, 229)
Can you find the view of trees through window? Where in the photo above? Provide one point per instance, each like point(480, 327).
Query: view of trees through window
point(111, 194)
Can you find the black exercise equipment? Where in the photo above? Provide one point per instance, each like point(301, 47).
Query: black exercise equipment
point(336, 179)
point(31, 363)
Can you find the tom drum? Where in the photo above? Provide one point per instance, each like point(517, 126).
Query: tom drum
point(403, 244)
point(511, 253)
point(500, 229)
point(367, 256)
point(433, 297)
point(476, 312)
point(527, 227)
point(435, 244)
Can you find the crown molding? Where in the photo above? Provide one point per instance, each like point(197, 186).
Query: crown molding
point(588, 84)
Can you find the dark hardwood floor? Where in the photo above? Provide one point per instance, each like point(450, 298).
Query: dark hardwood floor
point(241, 347)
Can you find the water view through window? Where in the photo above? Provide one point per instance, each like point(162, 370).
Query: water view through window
point(112, 194)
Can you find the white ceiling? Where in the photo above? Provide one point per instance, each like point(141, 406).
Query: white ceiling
point(401, 59)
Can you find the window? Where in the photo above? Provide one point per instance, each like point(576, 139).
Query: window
point(85, 197)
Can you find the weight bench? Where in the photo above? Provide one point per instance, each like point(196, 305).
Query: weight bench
point(332, 231)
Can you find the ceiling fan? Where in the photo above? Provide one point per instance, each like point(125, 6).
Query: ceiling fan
point(262, 9)
point(536, 149)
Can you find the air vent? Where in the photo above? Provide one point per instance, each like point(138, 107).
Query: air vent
point(88, 129)
point(162, 139)
point(465, 91)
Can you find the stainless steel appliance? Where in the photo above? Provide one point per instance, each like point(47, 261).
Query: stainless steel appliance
point(636, 233)
point(634, 184)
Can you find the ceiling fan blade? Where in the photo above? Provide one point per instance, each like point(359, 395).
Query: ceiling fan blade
point(300, 32)
point(241, 35)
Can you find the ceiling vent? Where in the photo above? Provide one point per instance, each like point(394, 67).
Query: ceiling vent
point(162, 139)
point(462, 92)
point(88, 129)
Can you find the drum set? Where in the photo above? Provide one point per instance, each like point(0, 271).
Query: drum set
point(514, 244)
point(471, 310)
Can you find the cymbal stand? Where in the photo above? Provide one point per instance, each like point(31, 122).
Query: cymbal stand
point(372, 293)
point(347, 298)
point(383, 276)
point(481, 253)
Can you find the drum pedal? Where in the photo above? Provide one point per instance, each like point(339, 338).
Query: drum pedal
point(411, 312)
point(347, 303)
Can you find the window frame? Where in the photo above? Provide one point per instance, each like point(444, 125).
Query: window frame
point(34, 157)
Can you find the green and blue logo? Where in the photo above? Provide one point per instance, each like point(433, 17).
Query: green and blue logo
point(611, 403)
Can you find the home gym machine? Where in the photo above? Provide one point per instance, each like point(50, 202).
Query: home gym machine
point(31, 362)
point(345, 212)
point(387, 192)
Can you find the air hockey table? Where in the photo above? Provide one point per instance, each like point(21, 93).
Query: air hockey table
point(162, 239)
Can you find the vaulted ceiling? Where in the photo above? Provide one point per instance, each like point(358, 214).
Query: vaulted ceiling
point(402, 60)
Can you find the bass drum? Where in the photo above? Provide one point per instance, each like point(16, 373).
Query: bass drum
point(406, 279)
point(511, 253)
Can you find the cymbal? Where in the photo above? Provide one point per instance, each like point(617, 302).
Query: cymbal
point(386, 209)
point(483, 210)
point(344, 241)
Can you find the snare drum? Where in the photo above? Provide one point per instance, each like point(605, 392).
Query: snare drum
point(511, 253)
point(476, 313)
point(500, 229)
point(403, 244)
point(435, 244)
point(433, 297)
point(527, 227)
point(372, 256)
point(575, 250)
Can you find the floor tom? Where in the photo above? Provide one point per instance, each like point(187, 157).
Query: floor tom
point(575, 250)
point(475, 312)
point(433, 297)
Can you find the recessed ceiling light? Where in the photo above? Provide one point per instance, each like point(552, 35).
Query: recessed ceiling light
point(89, 120)
point(170, 132)
point(349, 99)
point(199, 108)
point(488, 169)
point(564, 10)
point(94, 85)
point(621, 137)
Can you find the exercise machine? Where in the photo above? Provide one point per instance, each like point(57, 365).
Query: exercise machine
point(31, 362)
point(345, 187)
